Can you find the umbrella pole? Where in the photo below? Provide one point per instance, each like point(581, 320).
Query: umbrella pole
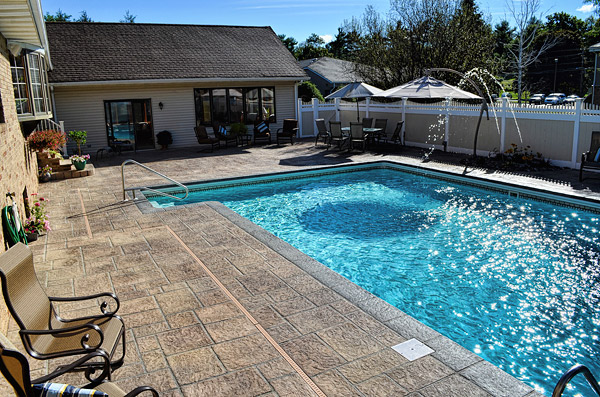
point(357, 111)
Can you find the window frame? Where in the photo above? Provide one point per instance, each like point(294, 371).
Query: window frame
point(200, 111)
point(28, 62)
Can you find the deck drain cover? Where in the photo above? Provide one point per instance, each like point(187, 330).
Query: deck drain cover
point(412, 349)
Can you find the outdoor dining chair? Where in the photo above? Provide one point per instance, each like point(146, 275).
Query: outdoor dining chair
point(288, 131)
point(367, 122)
point(322, 132)
point(44, 333)
point(337, 137)
point(357, 136)
point(591, 159)
point(396, 137)
point(15, 368)
point(204, 139)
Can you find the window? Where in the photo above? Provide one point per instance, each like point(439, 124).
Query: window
point(30, 84)
point(234, 105)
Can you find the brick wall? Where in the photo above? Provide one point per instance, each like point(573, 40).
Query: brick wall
point(18, 166)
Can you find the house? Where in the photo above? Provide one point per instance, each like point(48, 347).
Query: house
point(328, 74)
point(24, 98)
point(132, 80)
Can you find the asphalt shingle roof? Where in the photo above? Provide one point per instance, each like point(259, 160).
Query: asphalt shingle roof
point(138, 51)
point(334, 70)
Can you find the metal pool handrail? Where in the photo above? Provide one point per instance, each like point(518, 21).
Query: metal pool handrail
point(133, 189)
point(570, 374)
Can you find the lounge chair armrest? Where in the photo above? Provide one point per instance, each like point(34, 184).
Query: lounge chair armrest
point(104, 374)
point(142, 389)
point(66, 332)
point(103, 305)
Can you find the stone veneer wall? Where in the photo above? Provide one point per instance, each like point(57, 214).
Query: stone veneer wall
point(18, 166)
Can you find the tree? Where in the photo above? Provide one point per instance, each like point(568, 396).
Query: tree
point(522, 51)
point(307, 90)
point(289, 42)
point(313, 47)
point(83, 17)
point(503, 37)
point(58, 17)
point(345, 44)
point(128, 18)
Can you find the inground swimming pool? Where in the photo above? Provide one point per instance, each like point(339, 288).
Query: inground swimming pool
point(513, 279)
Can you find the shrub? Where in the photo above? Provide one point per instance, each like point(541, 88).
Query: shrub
point(46, 139)
point(238, 129)
point(307, 90)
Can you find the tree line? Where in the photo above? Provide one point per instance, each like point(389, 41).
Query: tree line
point(61, 16)
point(538, 54)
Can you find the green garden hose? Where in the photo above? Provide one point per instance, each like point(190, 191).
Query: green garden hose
point(12, 233)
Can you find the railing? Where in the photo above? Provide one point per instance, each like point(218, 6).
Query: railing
point(133, 189)
point(570, 374)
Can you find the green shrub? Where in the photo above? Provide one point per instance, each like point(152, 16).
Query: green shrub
point(238, 129)
point(80, 138)
point(307, 90)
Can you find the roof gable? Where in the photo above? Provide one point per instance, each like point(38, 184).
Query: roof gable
point(84, 52)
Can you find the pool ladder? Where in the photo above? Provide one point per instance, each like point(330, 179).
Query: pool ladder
point(133, 189)
point(570, 374)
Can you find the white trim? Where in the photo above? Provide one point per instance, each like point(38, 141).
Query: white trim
point(172, 81)
point(38, 18)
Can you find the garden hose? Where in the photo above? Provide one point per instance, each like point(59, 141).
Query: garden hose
point(11, 227)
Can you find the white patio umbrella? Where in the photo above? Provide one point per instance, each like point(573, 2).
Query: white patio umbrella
point(355, 90)
point(426, 87)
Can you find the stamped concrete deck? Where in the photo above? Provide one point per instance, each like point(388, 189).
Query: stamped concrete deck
point(215, 306)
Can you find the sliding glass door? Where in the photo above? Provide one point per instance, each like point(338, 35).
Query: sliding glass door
point(130, 120)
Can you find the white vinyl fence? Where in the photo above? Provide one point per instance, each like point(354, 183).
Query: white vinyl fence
point(560, 133)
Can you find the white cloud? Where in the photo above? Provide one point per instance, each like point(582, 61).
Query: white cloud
point(587, 8)
point(326, 37)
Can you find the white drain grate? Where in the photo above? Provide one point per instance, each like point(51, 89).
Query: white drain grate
point(413, 349)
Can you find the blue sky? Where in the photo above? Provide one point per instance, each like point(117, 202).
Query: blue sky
point(296, 18)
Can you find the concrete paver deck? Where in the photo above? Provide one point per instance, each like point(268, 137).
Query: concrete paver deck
point(198, 287)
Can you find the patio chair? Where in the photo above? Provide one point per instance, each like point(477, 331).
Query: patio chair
point(221, 134)
point(322, 132)
point(288, 131)
point(357, 135)
point(591, 159)
point(367, 122)
point(261, 132)
point(44, 333)
point(15, 368)
point(396, 136)
point(204, 139)
point(337, 136)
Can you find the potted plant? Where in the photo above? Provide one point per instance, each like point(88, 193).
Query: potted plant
point(80, 138)
point(79, 161)
point(38, 222)
point(45, 173)
point(238, 129)
point(164, 139)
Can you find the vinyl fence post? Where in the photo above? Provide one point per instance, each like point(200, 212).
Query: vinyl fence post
point(299, 113)
point(337, 108)
point(447, 123)
point(576, 125)
point(404, 100)
point(503, 125)
point(315, 105)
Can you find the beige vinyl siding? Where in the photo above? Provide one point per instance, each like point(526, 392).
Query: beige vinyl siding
point(82, 108)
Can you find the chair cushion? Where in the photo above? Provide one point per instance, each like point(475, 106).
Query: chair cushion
point(597, 156)
point(223, 131)
point(62, 390)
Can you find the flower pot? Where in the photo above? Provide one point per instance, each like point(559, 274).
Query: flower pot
point(45, 177)
point(31, 237)
point(79, 165)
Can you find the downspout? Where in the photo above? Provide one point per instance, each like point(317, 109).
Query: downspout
point(595, 73)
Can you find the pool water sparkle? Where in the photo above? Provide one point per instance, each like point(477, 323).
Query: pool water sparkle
point(513, 280)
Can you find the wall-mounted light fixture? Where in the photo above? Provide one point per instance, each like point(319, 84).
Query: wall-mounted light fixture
point(161, 105)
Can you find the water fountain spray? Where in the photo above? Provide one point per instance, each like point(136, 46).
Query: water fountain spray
point(484, 106)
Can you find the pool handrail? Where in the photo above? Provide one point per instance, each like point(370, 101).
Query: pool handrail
point(133, 189)
point(570, 374)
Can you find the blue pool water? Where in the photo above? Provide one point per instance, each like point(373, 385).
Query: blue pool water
point(511, 279)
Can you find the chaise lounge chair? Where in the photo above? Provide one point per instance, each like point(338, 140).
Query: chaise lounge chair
point(44, 333)
point(357, 136)
point(221, 134)
point(591, 159)
point(204, 139)
point(15, 368)
point(261, 132)
point(322, 132)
